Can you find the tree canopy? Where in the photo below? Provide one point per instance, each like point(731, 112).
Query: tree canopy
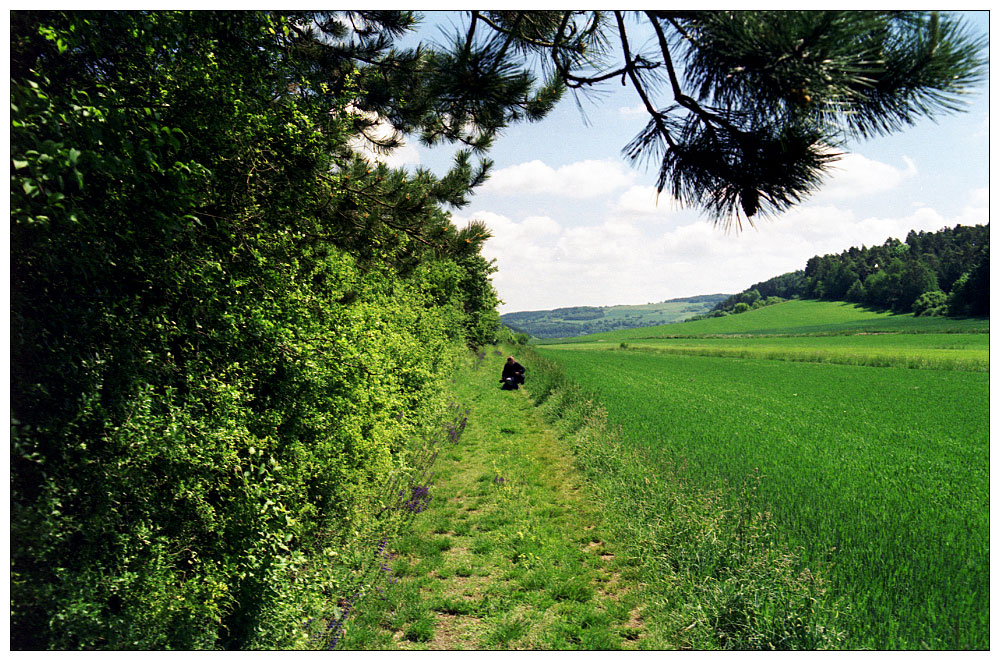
point(228, 328)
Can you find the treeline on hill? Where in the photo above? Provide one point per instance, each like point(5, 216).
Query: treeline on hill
point(931, 273)
point(585, 320)
point(228, 329)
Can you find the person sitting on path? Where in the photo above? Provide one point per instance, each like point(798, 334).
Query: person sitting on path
point(513, 374)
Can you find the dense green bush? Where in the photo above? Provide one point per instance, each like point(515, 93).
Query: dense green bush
point(228, 333)
point(930, 304)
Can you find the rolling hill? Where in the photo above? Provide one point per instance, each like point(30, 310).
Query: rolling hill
point(800, 317)
point(577, 321)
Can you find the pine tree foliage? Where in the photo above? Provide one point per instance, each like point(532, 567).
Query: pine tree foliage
point(748, 109)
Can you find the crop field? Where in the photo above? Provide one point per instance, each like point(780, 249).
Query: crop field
point(879, 474)
point(799, 318)
point(969, 352)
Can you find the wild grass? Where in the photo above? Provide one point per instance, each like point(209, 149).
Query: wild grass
point(510, 553)
point(880, 474)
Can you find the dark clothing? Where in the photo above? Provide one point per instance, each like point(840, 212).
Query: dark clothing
point(512, 376)
point(511, 369)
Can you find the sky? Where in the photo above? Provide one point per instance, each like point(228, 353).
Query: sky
point(573, 223)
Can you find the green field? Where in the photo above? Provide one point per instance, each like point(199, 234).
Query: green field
point(881, 471)
point(799, 318)
point(967, 352)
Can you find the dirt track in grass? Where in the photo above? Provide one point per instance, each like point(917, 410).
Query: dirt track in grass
point(510, 554)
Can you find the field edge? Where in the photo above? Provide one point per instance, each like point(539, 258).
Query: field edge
point(728, 582)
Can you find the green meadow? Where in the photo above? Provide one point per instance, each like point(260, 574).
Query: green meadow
point(877, 474)
point(798, 318)
point(968, 352)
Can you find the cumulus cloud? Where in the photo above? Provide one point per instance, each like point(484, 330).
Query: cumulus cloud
point(512, 242)
point(854, 175)
point(628, 247)
point(644, 201)
point(582, 179)
point(977, 208)
point(545, 262)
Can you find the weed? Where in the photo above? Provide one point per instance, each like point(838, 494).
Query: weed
point(563, 588)
point(420, 631)
point(508, 629)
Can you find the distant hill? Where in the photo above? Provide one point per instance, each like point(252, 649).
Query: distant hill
point(576, 321)
point(801, 317)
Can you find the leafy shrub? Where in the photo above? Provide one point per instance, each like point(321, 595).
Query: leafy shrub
point(930, 304)
point(223, 365)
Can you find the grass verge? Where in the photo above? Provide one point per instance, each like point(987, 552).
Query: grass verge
point(510, 553)
point(713, 575)
point(550, 534)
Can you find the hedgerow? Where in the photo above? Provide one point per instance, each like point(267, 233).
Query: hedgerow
point(229, 333)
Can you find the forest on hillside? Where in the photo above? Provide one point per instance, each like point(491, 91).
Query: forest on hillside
point(930, 273)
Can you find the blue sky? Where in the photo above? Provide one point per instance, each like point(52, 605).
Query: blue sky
point(574, 224)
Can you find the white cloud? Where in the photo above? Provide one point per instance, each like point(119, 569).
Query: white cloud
point(540, 226)
point(643, 200)
point(976, 210)
point(827, 229)
point(606, 245)
point(401, 156)
point(545, 262)
point(582, 179)
point(854, 175)
point(630, 248)
point(512, 243)
point(637, 109)
point(979, 197)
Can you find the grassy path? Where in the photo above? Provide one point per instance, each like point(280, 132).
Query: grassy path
point(510, 554)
